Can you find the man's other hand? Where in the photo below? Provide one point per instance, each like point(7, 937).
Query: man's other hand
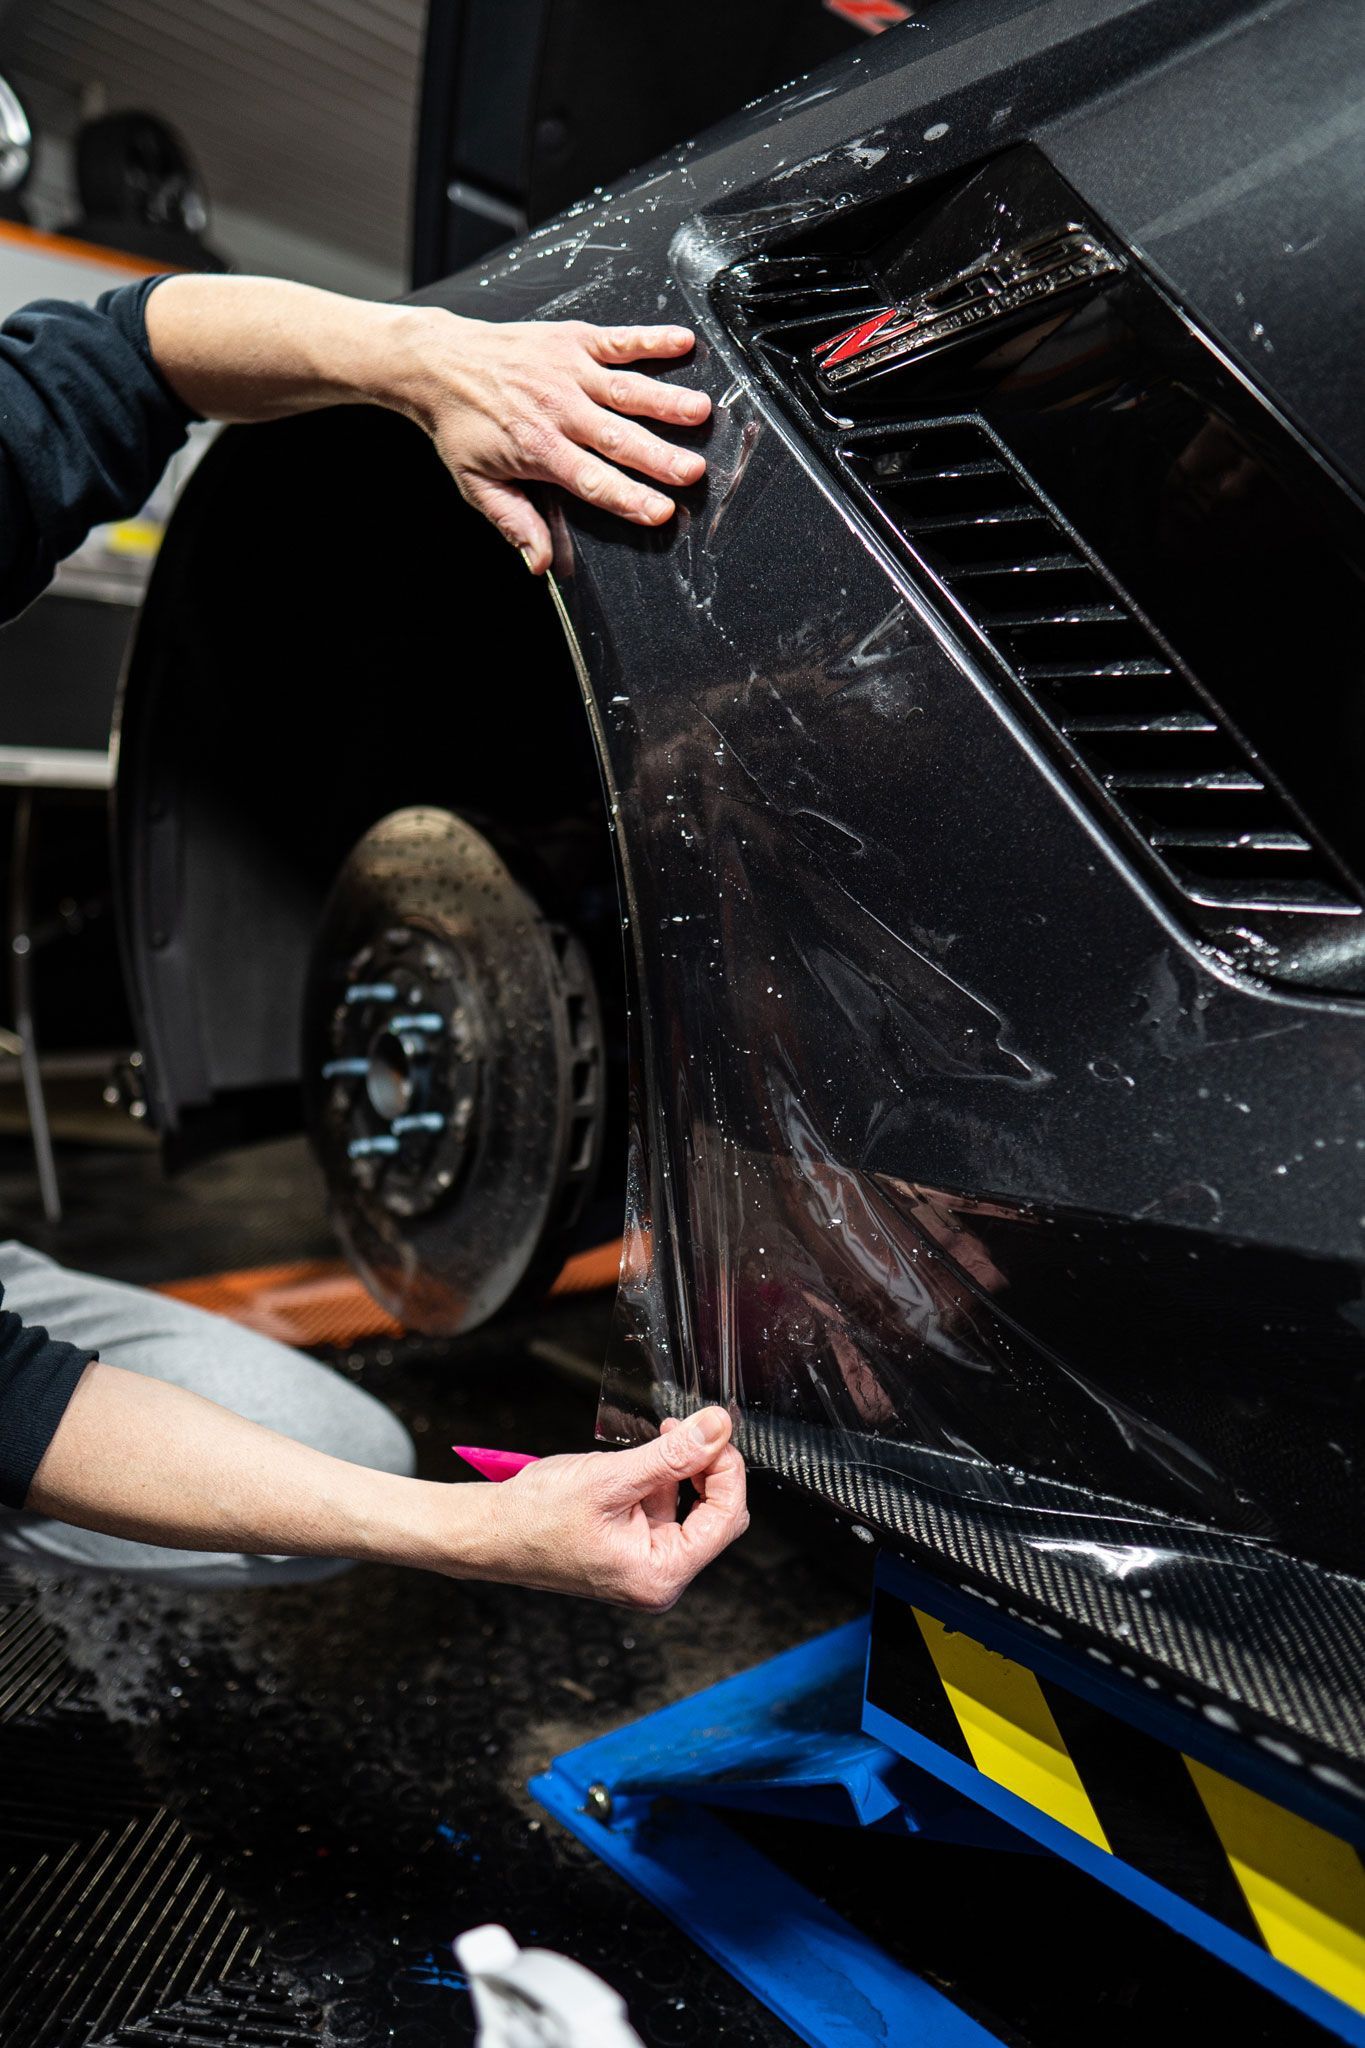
point(605, 1524)
point(555, 402)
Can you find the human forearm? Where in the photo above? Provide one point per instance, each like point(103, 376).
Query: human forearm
point(257, 348)
point(136, 1457)
point(506, 403)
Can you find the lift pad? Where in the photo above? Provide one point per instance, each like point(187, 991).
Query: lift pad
point(942, 1719)
point(783, 1738)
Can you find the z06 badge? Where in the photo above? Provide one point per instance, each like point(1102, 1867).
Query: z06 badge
point(994, 286)
point(870, 15)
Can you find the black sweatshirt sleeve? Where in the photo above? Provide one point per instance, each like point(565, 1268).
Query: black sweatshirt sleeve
point(87, 425)
point(38, 1376)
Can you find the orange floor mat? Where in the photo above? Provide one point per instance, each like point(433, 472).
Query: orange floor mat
point(320, 1301)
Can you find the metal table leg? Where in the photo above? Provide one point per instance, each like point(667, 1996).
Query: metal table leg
point(21, 983)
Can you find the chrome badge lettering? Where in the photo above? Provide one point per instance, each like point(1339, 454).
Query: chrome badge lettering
point(1003, 282)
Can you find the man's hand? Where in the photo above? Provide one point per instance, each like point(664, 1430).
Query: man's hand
point(605, 1524)
point(139, 1458)
point(553, 402)
point(507, 404)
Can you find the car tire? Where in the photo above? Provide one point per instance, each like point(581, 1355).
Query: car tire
point(453, 1073)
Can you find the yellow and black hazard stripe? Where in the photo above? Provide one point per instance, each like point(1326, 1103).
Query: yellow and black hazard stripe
point(1285, 1884)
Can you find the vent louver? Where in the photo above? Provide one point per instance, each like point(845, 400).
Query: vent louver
point(797, 300)
point(1147, 731)
point(1164, 756)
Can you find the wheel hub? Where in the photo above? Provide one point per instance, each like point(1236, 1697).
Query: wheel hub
point(453, 1072)
point(398, 1077)
point(405, 1069)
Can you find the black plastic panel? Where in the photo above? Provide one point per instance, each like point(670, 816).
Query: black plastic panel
point(1200, 1619)
point(527, 104)
point(1169, 579)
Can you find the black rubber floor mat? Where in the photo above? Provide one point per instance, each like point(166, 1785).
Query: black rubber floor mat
point(112, 1930)
point(349, 1759)
point(236, 2015)
point(33, 1667)
point(34, 1670)
point(65, 1777)
point(112, 1919)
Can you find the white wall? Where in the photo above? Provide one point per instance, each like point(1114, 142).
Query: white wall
point(247, 241)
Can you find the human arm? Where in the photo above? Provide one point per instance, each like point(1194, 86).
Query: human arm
point(94, 401)
point(87, 426)
point(138, 1458)
point(505, 403)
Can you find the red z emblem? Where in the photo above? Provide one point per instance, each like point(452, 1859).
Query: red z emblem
point(871, 15)
point(854, 341)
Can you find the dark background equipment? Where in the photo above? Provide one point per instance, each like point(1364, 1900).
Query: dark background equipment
point(527, 104)
point(140, 192)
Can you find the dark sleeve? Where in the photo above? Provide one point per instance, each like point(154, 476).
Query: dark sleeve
point(87, 424)
point(38, 1376)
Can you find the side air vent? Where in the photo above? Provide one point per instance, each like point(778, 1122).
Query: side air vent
point(796, 300)
point(1162, 753)
point(1144, 555)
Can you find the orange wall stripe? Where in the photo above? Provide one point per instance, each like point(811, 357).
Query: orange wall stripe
point(74, 251)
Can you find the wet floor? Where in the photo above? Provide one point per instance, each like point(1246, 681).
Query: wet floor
point(352, 1757)
point(256, 1819)
point(347, 1761)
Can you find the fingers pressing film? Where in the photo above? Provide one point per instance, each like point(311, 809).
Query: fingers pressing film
point(698, 1450)
point(638, 1475)
point(637, 344)
point(597, 483)
point(722, 1485)
point(634, 447)
point(719, 1516)
point(555, 402)
point(606, 1524)
point(625, 391)
point(662, 1505)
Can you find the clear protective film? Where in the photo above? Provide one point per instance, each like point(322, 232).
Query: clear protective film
point(867, 1201)
point(1011, 1221)
point(857, 1328)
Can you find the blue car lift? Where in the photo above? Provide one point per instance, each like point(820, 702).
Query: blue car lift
point(940, 1719)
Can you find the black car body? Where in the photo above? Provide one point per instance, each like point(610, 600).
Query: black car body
point(978, 755)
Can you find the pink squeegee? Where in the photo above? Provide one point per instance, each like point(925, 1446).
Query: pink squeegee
point(494, 1465)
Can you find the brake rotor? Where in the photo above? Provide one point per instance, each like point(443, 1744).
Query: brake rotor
point(453, 1073)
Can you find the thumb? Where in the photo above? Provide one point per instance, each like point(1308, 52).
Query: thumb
point(516, 518)
point(675, 1454)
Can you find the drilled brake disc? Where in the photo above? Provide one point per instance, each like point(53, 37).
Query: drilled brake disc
point(453, 1073)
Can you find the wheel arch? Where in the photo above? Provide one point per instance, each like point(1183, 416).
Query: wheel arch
point(331, 634)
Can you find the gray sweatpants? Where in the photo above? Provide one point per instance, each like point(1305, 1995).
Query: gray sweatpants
point(251, 1374)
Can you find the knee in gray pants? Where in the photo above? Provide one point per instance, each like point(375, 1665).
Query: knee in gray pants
point(253, 1375)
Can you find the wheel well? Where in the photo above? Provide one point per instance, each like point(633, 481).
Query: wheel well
point(331, 634)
